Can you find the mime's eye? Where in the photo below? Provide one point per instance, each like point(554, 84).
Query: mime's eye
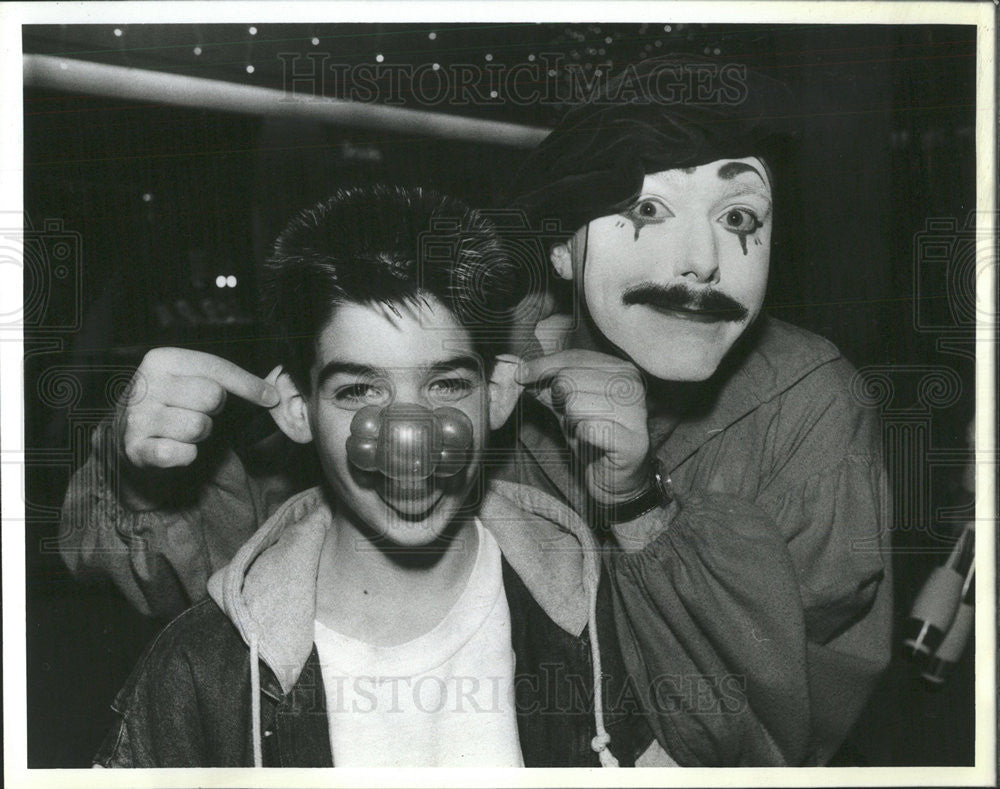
point(648, 209)
point(741, 220)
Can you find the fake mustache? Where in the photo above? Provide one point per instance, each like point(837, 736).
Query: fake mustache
point(707, 303)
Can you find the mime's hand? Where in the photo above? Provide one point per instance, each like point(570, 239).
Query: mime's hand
point(600, 403)
point(173, 396)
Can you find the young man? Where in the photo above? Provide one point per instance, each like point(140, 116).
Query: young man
point(738, 485)
point(394, 615)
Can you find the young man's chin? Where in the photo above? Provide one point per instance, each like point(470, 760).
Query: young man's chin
point(411, 500)
point(416, 532)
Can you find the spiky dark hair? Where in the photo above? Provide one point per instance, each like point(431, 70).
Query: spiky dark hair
point(386, 245)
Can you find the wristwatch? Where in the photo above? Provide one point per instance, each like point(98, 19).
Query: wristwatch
point(658, 493)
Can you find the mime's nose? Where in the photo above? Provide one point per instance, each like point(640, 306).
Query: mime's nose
point(698, 259)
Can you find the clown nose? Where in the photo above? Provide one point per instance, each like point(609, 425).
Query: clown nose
point(408, 442)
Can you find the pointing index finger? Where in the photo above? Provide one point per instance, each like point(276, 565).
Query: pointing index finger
point(229, 376)
point(538, 370)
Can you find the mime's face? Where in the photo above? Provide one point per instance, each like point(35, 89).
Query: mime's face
point(675, 280)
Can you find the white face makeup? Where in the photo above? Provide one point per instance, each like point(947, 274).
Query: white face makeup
point(676, 279)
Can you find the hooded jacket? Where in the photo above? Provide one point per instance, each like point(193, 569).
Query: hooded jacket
point(236, 679)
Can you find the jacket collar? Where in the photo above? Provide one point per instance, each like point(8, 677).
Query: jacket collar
point(770, 358)
point(268, 590)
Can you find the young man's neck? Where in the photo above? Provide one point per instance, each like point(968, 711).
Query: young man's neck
point(380, 592)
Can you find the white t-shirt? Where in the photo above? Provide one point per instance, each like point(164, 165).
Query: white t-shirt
point(444, 699)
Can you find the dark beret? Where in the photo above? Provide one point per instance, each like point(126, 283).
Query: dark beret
point(663, 113)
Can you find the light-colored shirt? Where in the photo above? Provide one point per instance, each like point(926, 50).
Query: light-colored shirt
point(443, 699)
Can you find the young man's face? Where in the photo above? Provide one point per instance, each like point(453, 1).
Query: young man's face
point(367, 355)
point(675, 280)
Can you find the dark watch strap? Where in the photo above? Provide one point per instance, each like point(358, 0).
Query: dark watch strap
point(658, 493)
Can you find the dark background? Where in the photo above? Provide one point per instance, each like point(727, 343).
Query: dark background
point(134, 209)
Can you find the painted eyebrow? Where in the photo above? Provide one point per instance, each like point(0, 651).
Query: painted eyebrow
point(730, 170)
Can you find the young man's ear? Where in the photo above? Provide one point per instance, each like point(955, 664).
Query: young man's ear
point(290, 414)
point(504, 390)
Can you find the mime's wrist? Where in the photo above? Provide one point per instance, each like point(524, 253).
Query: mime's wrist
point(607, 495)
point(652, 492)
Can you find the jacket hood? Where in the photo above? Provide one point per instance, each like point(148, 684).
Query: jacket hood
point(268, 590)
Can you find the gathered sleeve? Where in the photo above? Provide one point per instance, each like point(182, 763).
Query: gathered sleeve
point(160, 548)
point(756, 630)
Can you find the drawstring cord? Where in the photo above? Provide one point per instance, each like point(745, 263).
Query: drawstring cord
point(258, 758)
point(600, 742)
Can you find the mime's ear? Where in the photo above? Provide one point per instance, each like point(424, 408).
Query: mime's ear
point(291, 413)
point(562, 260)
point(504, 389)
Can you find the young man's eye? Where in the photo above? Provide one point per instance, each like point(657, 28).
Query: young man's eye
point(362, 394)
point(647, 210)
point(449, 389)
point(741, 220)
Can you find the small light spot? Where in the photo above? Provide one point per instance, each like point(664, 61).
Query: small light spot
point(552, 72)
point(253, 31)
point(250, 69)
point(493, 94)
point(608, 39)
point(230, 281)
point(716, 51)
point(432, 36)
point(220, 281)
point(531, 58)
point(379, 58)
point(436, 66)
point(658, 43)
point(315, 41)
point(489, 57)
point(197, 50)
point(147, 197)
point(118, 32)
point(667, 28)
